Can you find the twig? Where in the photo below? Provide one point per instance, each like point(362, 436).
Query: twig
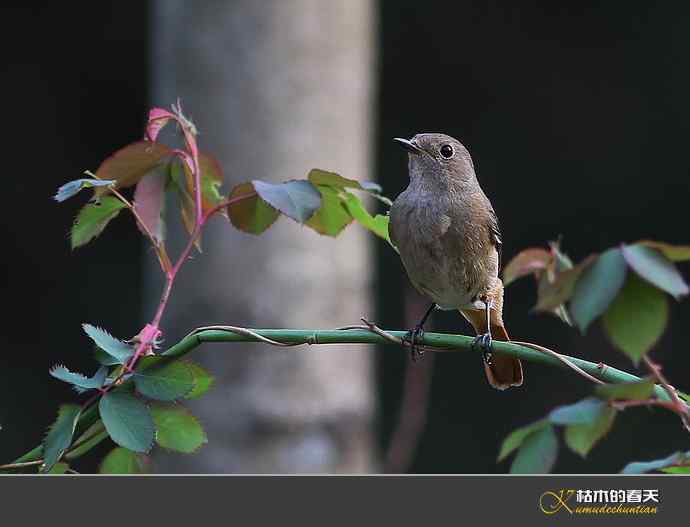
point(678, 406)
point(561, 358)
point(10, 466)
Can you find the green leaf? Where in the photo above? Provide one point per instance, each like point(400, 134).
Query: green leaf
point(377, 224)
point(653, 266)
point(630, 391)
point(332, 216)
point(584, 412)
point(250, 213)
point(529, 261)
point(597, 287)
point(297, 199)
point(552, 294)
point(582, 437)
point(203, 380)
point(70, 189)
point(112, 346)
point(640, 467)
point(123, 461)
point(685, 469)
point(331, 179)
point(177, 429)
point(518, 436)
point(537, 453)
point(128, 165)
point(637, 317)
point(675, 253)
point(128, 421)
point(93, 218)
point(59, 436)
point(211, 181)
point(58, 469)
point(79, 381)
point(168, 382)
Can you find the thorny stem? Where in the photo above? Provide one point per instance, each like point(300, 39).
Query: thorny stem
point(678, 406)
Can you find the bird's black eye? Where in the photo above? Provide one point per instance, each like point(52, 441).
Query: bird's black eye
point(447, 151)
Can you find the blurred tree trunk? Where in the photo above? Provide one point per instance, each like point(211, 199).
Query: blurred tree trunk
point(275, 88)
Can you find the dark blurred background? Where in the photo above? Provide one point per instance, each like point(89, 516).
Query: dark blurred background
point(576, 115)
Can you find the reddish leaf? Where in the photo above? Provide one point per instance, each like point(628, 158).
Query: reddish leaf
point(158, 118)
point(554, 293)
point(128, 165)
point(248, 212)
point(149, 200)
point(526, 262)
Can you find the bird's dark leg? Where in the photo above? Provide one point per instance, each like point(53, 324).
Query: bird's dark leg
point(415, 334)
point(483, 341)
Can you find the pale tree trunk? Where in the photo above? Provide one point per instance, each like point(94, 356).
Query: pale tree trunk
point(275, 88)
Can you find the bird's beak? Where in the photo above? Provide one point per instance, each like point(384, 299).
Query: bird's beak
point(408, 145)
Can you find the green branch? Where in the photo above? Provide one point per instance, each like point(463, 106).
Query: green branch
point(442, 342)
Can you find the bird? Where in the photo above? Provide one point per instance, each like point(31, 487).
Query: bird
point(447, 235)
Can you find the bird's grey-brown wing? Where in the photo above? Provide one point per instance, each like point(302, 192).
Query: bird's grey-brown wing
point(495, 234)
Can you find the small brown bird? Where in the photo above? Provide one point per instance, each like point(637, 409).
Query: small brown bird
point(446, 232)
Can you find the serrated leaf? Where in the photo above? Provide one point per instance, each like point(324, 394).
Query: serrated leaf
point(149, 200)
point(675, 253)
point(552, 294)
point(249, 213)
point(582, 412)
point(629, 391)
point(517, 437)
point(331, 179)
point(297, 199)
point(79, 381)
point(93, 218)
point(637, 318)
point(178, 181)
point(59, 436)
point(203, 381)
point(580, 438)
point(525, 263)
point(58, 469)
point(168, 382)
point(129, 164)
point(123, 461)
point(377, 224)
point(117, 349)
point(71, 188)
point(177, 429)
point(596, 288)
point(332, 216)
point(537, 453)
point(211, 181)
point(641, 467)
point(654, 267)
point(128, 421)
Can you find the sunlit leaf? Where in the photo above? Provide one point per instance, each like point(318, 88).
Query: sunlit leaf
point(537, 453)
point(637, 317)
point(79, 381)
point(641, 467)
point(149, 200)
point(93, 218)
point(128, 421)
point(177, 429)
point(128, 165)
point(123, 461)
point(117, 349)
point(59, 436)
point(68, 190)
point(580, 438)
point(631, 391)
point(654, 267)
point(377, 224)
point(332, 216)
point(517, 437)
point(297, 199)
point(167, 382)
point(248, 212)
point(203, 380)
point(675, 253)
point(525, 263)
point(597, 287)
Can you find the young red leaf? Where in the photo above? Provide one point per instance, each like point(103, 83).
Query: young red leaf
point(249, 213)
point(525, 263)
point(149, 199)
point(131, 163)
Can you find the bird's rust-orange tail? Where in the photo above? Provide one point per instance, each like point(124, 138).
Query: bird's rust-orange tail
point(503, 371)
